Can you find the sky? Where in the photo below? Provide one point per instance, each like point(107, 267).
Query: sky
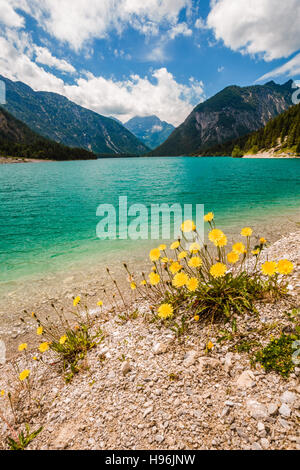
point(124, 58)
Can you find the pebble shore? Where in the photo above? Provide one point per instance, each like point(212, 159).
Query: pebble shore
point(142, 388)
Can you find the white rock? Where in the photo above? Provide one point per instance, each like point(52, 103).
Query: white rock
point(246, 379)
point(207, 362)
point(2, 353)
point(288, 397)
point(265, 443)
point(260, 426)
point(257, 410)
point(147, 411)
point(125, 368)
point(228, 363)
point(285, 411)
point(160, 348)
point(190, 358)
point(272, 409)
point(256, 446)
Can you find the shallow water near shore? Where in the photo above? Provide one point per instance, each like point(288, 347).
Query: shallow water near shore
point(48, 212)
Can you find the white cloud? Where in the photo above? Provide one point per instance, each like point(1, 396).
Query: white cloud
point(180, 29)
point(160, 94)
point(16, 62)
point(269, 28)
point(76, 22)
point(221, 69)
point(44, 56)
point(8, 15)
point(157, 54)
point(200, 24)
point(290, 68)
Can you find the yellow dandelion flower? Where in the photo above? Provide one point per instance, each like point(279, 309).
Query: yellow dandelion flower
point(232, 257)
point(196, 318)
point(192, 284)
point(165, 260)
point(154, 278)
point(24, 375)
point(143, 283)
point(269, 268)
point(239, 248)
point(221, 242)
point(22, 347)
point(154, 269)
point(255, 252)
point(218, 270)
point(209, 217)
point(195, 262)
point(154, 254)
point(76, 301)
point(44, 347)
point(195, 248)
point(188, 226)
point(175, 267)
point(182, 255)
point(210, 345)
point(246, 232)
point(35, 358)
point(39, 331)
point(175, 245)
point(133, 286)
point(216, 235)
point(165, 311)
point(285, 267)
point(33, 315)
point(180, 280)
point(63, 340)
point(2, 393)
point(162, 247)
point(262, 241)
point(100, 303)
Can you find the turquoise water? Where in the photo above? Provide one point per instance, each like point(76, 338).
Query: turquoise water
point(48, 211)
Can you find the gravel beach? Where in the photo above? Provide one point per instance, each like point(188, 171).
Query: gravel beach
point(142, 388)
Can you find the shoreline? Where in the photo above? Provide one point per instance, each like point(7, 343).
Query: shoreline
point(168, 394)
point(90, 281)
point(14, 160)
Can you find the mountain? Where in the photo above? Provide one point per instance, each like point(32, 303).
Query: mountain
point(232, 113)
point(55, 117)
point(281, 134)
point(17, 140)
point(150, 130)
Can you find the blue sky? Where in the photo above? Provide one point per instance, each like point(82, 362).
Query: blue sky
point(140, 57)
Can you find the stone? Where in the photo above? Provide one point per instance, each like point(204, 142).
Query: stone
point(257, 410)
point(207, 362)
point(2, 353)
point(190, 358)
point(284, 423)
point(241, 433)
point(260, 426)
point(160, 348)
point(159, 438)
point(265, 443)
point(126, 368)
point(288, 398)
point(246, 379)
point(228, 363)
point(147, 411)
point(285, 411)
point(272, 409)
point(256, 446)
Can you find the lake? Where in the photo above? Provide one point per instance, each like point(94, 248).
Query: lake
point(48, 211)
